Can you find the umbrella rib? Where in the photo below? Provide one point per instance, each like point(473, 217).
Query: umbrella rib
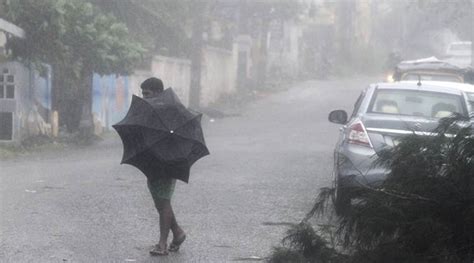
point(143, 126)
point(128, 159)
point(157, 114)
point(147, 104)
point(152, 128)
point(161, 120)
point(191, 139)
point(156, 142)
point(140, 152)
point(180, 126)
point(153, 110)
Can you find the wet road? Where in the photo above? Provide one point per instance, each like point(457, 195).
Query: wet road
point(265, 169)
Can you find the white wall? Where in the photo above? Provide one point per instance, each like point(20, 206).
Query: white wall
point(283, 53)
point(218, 75)
point(174, 72)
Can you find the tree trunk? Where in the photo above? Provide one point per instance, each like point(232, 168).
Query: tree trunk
point(86, 124)
point(345, 20)
point(472, 33)
point(72, 98)
point(55, 88)
point(262, 63)
point(65, 99)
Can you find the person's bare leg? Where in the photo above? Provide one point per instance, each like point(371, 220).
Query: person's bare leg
point(166, 219)
point(175, 228)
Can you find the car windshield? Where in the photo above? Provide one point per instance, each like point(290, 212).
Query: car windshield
point(461, 46)
point(416, 103)
point(432, 77)
point(470, 99)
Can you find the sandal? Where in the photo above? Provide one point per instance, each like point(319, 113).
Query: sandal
point(176, 243)
point(158, 251)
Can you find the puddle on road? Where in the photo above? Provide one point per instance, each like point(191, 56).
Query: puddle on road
point(248, 258)
point(278, 223)
point(124, 186)
point(53, 187)
point(251, 258)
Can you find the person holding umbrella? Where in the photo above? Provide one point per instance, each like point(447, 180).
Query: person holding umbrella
point(162, 189)
point(163, 139)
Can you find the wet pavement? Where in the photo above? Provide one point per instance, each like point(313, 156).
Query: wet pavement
point(264, 172)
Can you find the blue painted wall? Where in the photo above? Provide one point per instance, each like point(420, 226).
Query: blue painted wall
point(111, 98)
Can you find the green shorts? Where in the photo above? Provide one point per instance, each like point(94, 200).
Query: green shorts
point(161, 188)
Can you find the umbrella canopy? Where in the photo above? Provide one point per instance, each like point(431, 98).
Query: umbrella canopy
point(161, 137)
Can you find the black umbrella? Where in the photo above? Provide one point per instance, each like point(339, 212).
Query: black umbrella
point(161, 137)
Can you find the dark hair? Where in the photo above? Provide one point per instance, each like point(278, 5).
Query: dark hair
point(152, 84)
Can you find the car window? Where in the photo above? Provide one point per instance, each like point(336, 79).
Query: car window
point(433, 77)
point(358, 103)
point(470, 99)
point(460, 46)
point(416, 103)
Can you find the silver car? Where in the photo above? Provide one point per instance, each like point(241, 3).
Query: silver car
point(382, 114)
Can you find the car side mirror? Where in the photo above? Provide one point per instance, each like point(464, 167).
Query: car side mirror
point(338, 116)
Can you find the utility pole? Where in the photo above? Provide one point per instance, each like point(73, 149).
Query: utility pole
point(201, 10)
point(196, 60)
point(262, 63)
point(472, 33)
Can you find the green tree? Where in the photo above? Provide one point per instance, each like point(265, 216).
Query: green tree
point(172, 28)
point(76, 40)
point(176, 28)
point(158, 24)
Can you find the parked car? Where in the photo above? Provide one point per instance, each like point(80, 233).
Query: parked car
point(432, 69)
point(459, 53)
point(382, 114)
point(459, 48)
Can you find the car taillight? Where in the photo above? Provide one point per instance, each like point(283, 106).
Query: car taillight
point(358, 135)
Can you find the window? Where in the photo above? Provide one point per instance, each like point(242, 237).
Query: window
point(461, 46)
point(7, 87)
point(417, 103)
point(358, 103)
point(6, 126)
point(432, 77)
point(470, 99)
point(7, 91)
point(10, 92)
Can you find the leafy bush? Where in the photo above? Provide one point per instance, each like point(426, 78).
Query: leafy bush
point(303, 244)
point(423, 211)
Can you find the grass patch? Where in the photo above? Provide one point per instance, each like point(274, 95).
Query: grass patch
point(10, 151)
point(44, 144)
